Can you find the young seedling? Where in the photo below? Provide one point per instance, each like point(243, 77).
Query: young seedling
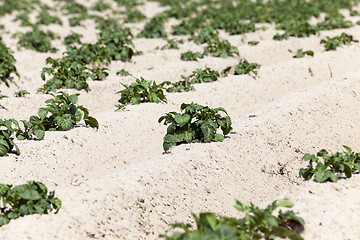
point(123, 72)
point(37, 40)
point(203, 76)
point(21, 93)
point(218, 48)
point(244, 67)
point(26, 199)
point(7, 131)
point(333, 43)
point(253, 43)
point(141, 91)
point(154, 29)
point(257, 224)
point(7, 64)
point(197, 124)
point(60, 114)
point(191, 56)
point(347, 162)
point(300, 53)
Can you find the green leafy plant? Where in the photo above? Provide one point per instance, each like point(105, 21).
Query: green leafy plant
point(73, 38)
point(333, 43)
point(60, 114)
point(123, 72)
point(300, 53)
point(26, 199)
point(205, 35)
point(141, 91)
point(244, 67)
point(203, 75)
point(21, 93)
point(253, 43)
point(154, 28)
point(257, 224)
point(197, 124)
point(133, 15)
point(100, 6)
point(191, 56)
point(7, 63)
point(218, 48)
point(65, 73)
point(6, 136)
point(45, 18)
point(38, 40)
point(171, 44)
point(347, 162)
point(180, 86)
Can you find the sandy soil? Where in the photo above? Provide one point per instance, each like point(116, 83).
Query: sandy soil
point(293, 107)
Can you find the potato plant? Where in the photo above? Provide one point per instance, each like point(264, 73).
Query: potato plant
point(191, 56)
point(300, 53)
point(37, 40)
point(154, 28)
point(141, 91)
point(180, 86)
point(206, 75)
point(220, 48)
point(256, 224)
point(7, 64)
point(347, 162)
point(26, 199)
point(196, 124)
point(21, 93)
point(60, 114)
point(7, 131)
point(333, 43)
point(65, 73)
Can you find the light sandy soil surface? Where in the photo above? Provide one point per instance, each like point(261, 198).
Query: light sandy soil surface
point(293, 107)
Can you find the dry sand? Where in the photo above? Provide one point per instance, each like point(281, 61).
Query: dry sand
point(101, 176)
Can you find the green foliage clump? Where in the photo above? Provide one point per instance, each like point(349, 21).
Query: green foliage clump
point(73, 38)
point(7, 63)
point(300, 53)
point(123, 72)
point(244, 67)
point(180, 86)
point(26, 199)
point(197, 124)
point(220, 48)
point(206, 35)
point(191, 56)
point(46, 19)
point(253, 43)
point(257, 224)
point(203, 75)
point(60, 114)
point(21, 93)
point(334, 22)
point(65, 73)
point(133, 15)
point(141, 91)
point(333, 43)
point(37, 40)
point(6, 136)
point(100, 6)
point(154, 28)
point(112, 45)
point(347, 162)
point(171, 44)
